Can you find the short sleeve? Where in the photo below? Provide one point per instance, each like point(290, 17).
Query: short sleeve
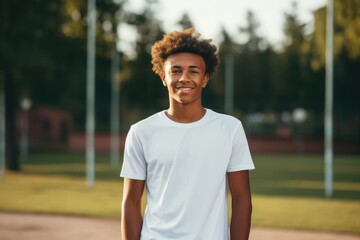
point(134, 164)
point(240, 157)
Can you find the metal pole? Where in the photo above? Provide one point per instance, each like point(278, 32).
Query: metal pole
point(90, 110)
point(24, 128)
point(2, 135)
point(115, 110)
point(329, 101)
point(24, 140)
point(229, 84)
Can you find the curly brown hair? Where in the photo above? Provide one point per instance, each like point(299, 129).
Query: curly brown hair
point(186, 41)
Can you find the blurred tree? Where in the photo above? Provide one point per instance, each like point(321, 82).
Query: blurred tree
point(26, 38)
point(72, 67)
point(253, 41)
point(251, 72)
point(346, 63)
point(214, 95)
point(291, 86)
point(227, 47)
point(346, 35)
point(43, 56)
point(185, 22)
point(143, 88)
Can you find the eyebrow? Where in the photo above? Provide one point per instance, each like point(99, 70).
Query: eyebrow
point(192, 66)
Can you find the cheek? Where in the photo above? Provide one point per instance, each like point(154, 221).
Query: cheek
point(168, 80)
point(165, 81)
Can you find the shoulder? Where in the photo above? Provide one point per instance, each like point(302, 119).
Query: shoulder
point(228, 124)
point(225, 119)
point(147, 123)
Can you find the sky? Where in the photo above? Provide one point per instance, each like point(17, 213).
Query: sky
point(209, 16)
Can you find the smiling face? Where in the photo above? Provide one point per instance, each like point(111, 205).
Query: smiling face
point(184, 78)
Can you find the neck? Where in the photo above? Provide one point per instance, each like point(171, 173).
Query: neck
point(185, 114)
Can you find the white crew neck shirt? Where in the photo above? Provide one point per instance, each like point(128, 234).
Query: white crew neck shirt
point(184, 166)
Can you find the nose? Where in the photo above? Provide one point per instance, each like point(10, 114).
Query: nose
point(184, 77)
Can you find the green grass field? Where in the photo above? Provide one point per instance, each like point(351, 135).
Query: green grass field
point(287, 190)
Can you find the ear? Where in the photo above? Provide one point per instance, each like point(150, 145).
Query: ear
point(163, 80)
point(206, 80)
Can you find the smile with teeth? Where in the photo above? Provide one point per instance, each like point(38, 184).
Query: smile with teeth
point(184, 88)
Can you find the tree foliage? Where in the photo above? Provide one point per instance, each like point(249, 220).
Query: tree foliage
point(43, 57)
point(185, 22)
point(142, 86)
point(346, 52)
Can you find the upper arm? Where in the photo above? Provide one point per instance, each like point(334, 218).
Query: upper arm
point(239, 184)
point(131, 218)
point(134, 164)
point(133, 190)
point(241, 204)
point(240, 153)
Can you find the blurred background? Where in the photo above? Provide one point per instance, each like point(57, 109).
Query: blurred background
point(278, 88)
point(276, 72)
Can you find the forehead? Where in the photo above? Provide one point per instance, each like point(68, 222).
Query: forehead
point(185, 60)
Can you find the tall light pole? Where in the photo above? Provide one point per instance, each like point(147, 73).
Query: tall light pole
point(115, 110)
point(328, 121)
point(2, 135)
point(24, 128)
point(90, 96)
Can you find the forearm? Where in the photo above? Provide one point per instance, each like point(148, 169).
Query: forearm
point(241, 219)
point(131, 221)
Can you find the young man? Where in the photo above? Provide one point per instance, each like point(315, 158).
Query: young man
point(184, 155)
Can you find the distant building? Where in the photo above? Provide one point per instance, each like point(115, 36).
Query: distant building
point(48, 128)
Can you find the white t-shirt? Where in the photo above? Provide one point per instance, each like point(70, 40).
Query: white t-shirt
point(185, 166)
